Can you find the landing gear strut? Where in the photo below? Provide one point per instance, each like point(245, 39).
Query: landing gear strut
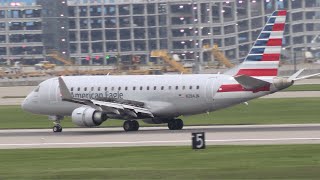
point(175, 124)
point(131, 125)
point(57, 128)
point(56, 121)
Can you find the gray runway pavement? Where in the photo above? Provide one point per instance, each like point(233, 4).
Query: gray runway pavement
point(160, 136)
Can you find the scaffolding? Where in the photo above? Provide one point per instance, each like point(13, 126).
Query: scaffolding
point(163, 54)
point(60, 57)
point(217, 53)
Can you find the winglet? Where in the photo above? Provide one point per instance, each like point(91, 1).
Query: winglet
point(250, 83)
point(65, 94)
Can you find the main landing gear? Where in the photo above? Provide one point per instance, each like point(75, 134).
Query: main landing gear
point(131, 125)
point(175, 124)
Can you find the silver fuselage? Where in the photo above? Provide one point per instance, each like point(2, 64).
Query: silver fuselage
point(163, 95)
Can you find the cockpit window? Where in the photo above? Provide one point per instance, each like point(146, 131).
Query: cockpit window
point(37, 89)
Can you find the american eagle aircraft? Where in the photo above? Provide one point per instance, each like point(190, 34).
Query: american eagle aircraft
point(91, 100)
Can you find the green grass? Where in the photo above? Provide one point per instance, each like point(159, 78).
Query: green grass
point(216, 162)
point(304, 87)
point(260, 111)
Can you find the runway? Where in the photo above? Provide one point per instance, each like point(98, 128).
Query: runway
point(160, 136)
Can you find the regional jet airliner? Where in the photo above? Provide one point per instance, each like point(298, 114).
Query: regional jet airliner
point(91, 100)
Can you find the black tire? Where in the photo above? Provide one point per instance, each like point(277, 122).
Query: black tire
point(179, 124)
point(128, 126)
point(172, 124)
point(57, 128)
point(135, 125)
point(175, 124)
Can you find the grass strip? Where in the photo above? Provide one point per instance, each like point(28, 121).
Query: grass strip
point(215, 162)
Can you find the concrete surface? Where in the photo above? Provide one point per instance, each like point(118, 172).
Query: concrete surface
point(160, 136)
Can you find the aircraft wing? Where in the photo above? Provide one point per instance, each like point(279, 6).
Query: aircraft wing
point(119, 107)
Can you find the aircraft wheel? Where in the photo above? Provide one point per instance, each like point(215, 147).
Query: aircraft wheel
point(136, 125)
point(179, 124)
point(57, 128)
point(131, 125)
point(175, 124)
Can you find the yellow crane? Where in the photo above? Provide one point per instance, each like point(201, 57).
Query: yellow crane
point(216, 52)
point(168, 59)
point(58, 56)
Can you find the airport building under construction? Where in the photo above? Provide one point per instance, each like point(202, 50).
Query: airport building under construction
point(109, 31)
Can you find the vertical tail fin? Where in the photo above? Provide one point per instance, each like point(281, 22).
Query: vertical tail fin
point(263, 58)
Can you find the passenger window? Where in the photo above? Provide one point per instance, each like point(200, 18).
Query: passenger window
point(190, 87)
point(78, 89)
point(126, 88)
point(183, 87)
point(177, 87)
point(155, 88)
point(105, 88)
point(99, 88)
point(112, 89)
point(148, 88)
point(140, 87)
point(85, 89)
point(119, 88)
point(92, 88)
point(134, 88)
point(198, 87)
point(162, 88)
point(169, 87)
point(72, 89)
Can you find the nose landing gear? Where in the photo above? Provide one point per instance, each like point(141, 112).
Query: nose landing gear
point(56, 121)
point(57, 128)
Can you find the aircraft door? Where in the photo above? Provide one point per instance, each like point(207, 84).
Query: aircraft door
point(212, 86)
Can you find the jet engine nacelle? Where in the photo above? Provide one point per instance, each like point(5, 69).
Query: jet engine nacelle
point(86, 116)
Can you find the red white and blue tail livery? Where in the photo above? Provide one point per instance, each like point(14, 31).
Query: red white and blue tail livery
point(91, 100)
point(263, 59)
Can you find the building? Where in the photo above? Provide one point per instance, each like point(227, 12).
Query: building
point(112, 31)
point(127, 29)
point(30, 28)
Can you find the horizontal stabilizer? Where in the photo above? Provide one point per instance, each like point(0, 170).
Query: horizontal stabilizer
point(295, 75)
point(305, 77)
point(250, 83)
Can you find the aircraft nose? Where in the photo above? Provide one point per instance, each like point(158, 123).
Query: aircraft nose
point(24, 104)
point(27, 104)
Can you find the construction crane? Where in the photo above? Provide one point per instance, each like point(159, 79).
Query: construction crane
point(216, 52)
point(163, 54)
point(58, 56)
